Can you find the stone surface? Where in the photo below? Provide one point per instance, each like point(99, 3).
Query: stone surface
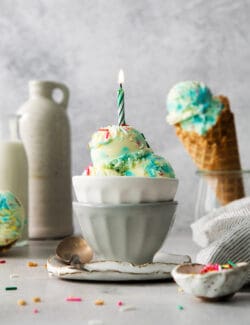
point(152, 302)
point(157, 43)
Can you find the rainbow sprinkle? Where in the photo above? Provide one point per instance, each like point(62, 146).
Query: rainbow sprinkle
point(119, 303)
point(32, 264)
point(10, 288)
point(217, 267)
point(74, 299)
point(36, 299)
point(21, 302)
point(99, 302)
point(231, 263)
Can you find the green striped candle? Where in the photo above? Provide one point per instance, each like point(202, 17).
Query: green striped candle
point(120, 100)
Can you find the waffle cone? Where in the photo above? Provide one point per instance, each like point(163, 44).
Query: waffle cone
point(217, 151)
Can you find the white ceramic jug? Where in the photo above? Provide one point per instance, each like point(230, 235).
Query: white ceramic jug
point(45, 131)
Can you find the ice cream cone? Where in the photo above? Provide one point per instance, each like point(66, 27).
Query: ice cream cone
point(217, 150)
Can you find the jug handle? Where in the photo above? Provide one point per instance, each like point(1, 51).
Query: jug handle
point(65, 91)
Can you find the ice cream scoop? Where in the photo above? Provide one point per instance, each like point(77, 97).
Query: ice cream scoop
point(11, 219)
point(142, 163)
point(192, 104)
point(124, 151)
point(113, 141)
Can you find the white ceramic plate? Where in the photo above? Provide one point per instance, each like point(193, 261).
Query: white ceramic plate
point(116, 271)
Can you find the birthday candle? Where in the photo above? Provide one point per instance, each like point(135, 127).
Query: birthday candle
point(120, 100)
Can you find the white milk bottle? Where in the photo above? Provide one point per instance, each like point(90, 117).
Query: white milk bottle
point(14, 167)
point(45, 131)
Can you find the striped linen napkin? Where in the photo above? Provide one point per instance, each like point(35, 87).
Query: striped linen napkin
point(224, 234)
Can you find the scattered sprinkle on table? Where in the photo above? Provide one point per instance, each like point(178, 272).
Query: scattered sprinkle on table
point(180, 290)
point(36, 299)
point(95, 322)
point(21, 302)
point(180, 307)
point(126, 308)
point(32, 264)
point(99, 302)
point(35, 311)
point(14, 276)
point(119, 303)
point(10, 288)
point(2, 261)
point(78, 299)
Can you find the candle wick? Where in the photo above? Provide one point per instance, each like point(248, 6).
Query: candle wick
point(120, 85)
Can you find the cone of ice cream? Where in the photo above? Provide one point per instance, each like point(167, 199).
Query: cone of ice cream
point(205, 125)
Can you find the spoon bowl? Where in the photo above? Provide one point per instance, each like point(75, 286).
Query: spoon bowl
point(211, 286)
point(74, 250)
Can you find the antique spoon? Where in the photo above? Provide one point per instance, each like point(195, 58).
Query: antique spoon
point(74, 251)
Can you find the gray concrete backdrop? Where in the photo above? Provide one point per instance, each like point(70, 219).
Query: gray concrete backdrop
point(157, 43)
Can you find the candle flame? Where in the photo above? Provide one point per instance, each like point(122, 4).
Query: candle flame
point(121, 77)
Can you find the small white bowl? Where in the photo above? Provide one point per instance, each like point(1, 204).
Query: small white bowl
point(123, 189)
point(212, 286)
point(125, 232)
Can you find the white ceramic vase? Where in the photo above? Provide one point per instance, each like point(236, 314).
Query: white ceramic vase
point(45, 131)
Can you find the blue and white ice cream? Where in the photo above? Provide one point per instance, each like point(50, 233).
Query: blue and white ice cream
point(121, 150)
point(11, 218)
point(192, 105)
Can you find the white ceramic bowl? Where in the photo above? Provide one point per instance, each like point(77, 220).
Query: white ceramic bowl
point(125, 232)
point(212, 285)
point(123, 189)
